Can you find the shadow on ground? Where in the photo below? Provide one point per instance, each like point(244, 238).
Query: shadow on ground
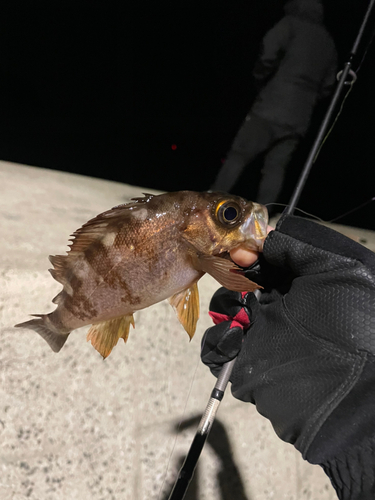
point(228, 475)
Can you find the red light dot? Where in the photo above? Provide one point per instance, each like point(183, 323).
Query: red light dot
point(174, 147)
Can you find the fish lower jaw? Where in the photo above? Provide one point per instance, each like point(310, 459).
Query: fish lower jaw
point(254, 230)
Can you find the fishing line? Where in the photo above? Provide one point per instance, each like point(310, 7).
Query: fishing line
point(299, 210)
point(353, 209)
point(366, 50)
point(358, 207)
point(354, 78)
point(178, 428)
point(351, 83)
point(367, 16)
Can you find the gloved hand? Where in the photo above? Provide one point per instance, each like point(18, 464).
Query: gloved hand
point(308, 358)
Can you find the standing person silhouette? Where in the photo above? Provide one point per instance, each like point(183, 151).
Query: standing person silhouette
point(295, 70)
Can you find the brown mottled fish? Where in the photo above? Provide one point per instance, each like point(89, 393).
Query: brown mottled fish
point(140, 253)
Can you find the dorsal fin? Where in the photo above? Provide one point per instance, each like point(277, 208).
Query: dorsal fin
point(59, 271)
point(91, 231)
point(95, 228)
point(144, 199)
point(140, 200)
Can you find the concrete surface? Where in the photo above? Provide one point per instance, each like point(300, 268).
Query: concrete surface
point(73, 426)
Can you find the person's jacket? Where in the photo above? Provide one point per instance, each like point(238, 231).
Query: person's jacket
point(296, 68)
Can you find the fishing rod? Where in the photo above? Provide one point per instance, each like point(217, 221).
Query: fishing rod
point(342, 75)
point(187, 470)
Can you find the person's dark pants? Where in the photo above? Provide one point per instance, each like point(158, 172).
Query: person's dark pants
point(258, 136)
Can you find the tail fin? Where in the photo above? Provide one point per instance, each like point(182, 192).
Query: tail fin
point(41, 326)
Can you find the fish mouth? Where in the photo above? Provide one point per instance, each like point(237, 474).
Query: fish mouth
point(254, 229)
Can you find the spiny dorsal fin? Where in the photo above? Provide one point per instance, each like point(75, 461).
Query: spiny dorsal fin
point(140, 200)
point(144, 199)
point(109, 221)
point(92, 231)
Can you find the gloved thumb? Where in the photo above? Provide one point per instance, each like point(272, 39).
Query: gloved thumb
point(220, 344)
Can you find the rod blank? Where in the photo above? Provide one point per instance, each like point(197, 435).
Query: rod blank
point(187, 470)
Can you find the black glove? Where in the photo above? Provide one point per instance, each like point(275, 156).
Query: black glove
point(308, 359)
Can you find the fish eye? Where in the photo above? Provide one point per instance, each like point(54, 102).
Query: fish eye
point(228, 212)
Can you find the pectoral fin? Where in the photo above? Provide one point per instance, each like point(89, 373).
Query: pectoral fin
point(104, 336)
point(227, 273)
point(186, 305)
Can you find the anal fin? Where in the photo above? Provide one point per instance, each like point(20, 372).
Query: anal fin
point(186, 305)
point(104, 336)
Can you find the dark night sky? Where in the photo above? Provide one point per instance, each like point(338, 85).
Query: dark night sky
point(105, 88)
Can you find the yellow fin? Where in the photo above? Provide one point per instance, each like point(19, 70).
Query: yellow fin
point(104, 336)
point(186, 305)
point(227, 274)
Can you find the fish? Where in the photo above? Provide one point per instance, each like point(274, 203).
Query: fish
point(137, 254)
